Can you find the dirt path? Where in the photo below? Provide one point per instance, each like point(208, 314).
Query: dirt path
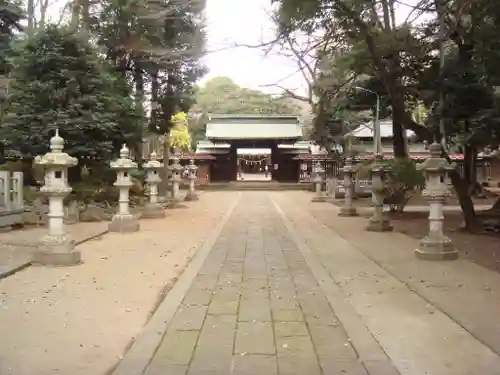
point(79, 320)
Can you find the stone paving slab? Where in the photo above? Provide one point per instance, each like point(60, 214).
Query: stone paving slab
point(372, 272)
point(255, 308)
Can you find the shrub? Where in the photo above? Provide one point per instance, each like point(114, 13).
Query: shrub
point(403, 180)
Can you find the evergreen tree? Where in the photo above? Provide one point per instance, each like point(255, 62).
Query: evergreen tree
point(10, 18)
point(59, 81)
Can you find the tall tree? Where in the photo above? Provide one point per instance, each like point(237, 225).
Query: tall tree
point(11, 15)
point(221, 95)
point(60, 82)
point(157, 47)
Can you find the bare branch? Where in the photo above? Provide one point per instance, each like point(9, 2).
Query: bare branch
point(289, 93)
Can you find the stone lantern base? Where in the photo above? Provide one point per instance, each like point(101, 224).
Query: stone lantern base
point(175, 203)
point(376, 225)
point(57, 251)
point(124, 224)
point(191, 196)
point(319, 198)
point(348, 211)
point(436, 248)
point(153, 211)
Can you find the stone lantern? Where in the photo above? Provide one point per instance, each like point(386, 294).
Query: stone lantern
point(349, 171)
point(379, 222)
point(320, 195)
point(176, 168)
point(56, 248)
point(436, 245)
point(191, 194)
point(123, 220)
point(153, 209)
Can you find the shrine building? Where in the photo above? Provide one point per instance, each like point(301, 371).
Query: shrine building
point(247, 144)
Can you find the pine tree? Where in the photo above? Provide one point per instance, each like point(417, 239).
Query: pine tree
point(59, 81)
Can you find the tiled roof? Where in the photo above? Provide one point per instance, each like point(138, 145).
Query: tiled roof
point(415, 156)
point(253, 151)
point(366, 130)
point(206, 146)
point(253, 127)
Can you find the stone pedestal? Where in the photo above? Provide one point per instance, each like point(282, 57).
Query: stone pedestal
point(153, 209)
point(436, 245)
point(348, 209)
point(191, 194)
point(123, 221)
point(319, 194)
point(176, 169)
point(56, 248)
point(379, 222)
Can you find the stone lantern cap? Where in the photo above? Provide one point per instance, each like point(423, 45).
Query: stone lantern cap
point(377, 165)
point(175, 166)
point(56, 157)
point(435, 163)
point(123, 162)
point(153, 162)
point(318, 167)
point(349, 167)
point(192, 167)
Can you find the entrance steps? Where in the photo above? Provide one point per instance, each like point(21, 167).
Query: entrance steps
point(256, 185)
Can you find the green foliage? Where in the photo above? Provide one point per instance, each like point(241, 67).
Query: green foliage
point(403, 179)
point(96, 186)
point(155, 44)
point(222, 96)
point(61, 82)
point(179, 135)
point(11, 15)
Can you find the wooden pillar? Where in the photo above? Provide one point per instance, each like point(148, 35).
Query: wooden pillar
point(275, 173)
point(232, 164)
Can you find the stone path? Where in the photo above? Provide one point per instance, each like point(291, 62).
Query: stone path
point(255, 307)
point(434, 318)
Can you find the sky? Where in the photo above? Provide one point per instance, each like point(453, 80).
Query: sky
point(236, 22)
point(232, 22)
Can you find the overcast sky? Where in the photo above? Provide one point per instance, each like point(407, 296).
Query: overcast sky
point(231, 22)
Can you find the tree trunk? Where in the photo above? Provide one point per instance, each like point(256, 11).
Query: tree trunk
point(85, 14)
point(398, 116)
point(391, 83)
point(75, 15)
point(163, 189)
point(139, 102)
point(155, 87)
point(472, 223)
point(470, 171)
point(31, 16)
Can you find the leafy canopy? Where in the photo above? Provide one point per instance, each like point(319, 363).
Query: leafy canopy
point(222, 96)
point(59, 81)
point(179, 134)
